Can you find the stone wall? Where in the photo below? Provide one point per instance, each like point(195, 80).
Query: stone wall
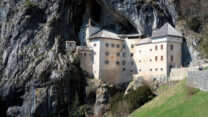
point(198, 79)
point(86, 59)
point(177, 74)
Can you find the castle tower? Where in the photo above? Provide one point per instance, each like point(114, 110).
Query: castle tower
point(90, 30)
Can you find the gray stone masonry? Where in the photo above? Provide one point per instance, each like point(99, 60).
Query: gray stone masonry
point(198, 79)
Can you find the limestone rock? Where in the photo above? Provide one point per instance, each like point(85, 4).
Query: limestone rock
point(144, 16)
point(98, 94)
point(36, 77)
point(135, 84)
point(13, 111)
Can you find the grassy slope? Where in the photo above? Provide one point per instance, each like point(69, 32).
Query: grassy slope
point(175, 102)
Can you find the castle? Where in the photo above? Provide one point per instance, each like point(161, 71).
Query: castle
point(117, 58)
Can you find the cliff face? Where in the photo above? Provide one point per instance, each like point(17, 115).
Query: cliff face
point(144, 15)
point(37, 77)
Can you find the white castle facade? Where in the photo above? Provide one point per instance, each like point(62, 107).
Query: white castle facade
point(117, 58)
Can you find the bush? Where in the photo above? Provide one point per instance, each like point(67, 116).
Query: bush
point(120, 104)
point(139, 97)
point(76, 110)
point(122, 109)
point(203, 48)
point(29, 3)
point(194, 24)
point(114, 101)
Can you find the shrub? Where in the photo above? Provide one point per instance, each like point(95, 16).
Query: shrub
point(122, 109)
point(76, 110)
point(139, 97)
point(203, 48)
point(29, 3)
point(120, 104)
point(194, 24)
point(114, 100)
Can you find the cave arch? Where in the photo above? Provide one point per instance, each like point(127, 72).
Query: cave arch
point(93, 10)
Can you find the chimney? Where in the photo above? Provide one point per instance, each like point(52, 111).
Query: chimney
point(90, 22)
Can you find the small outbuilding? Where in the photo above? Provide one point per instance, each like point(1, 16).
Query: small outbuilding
point(70, 46)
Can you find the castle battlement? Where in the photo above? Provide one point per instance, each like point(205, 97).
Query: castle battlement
point(84, 48)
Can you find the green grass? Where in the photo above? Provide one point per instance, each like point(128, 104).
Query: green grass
point(176, 102)
point(205, 68)
point(162, 89)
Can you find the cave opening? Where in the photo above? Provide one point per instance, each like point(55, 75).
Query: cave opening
point(3, 109)
point(93, 10)
point(17, 99)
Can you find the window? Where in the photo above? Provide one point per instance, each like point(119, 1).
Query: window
point(81, 54)
point(131, 71)
point(124, 69)
point(124, 54)
point(150, 69)
point(94, 44)
point(124, 46)
point(161, 69)
point(132, 46)
point(106, 53)
point(140, 51)
point(156, 69)
point(140, 70)
point(132, 63)
point(106, 45)
point(94, 53)
point(161, 47)
point(85, 54)
point(171, 57)
point(150, 60)
point(112, 45)
point(171, 47)
point(117, 63)
point(156, 48)
point(150, 50)
point(106, 62)
point(118, 46)
point(123, 62)
point(155, 58)
point(140, 61)
point(161, 58)
point(132, 54)
point(118, 54)
point(70, 44)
